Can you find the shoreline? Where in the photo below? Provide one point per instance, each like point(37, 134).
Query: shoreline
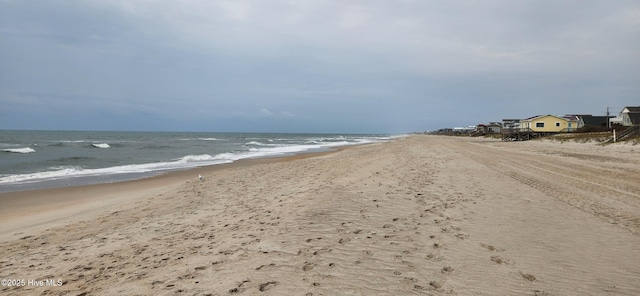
point(80, 181)
point(418, 215)
point(76, 203)
point(73, 159)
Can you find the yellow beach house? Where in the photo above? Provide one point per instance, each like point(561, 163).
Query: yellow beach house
point(551, 124)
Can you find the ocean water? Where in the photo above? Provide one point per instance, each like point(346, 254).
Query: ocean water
point(48, 159)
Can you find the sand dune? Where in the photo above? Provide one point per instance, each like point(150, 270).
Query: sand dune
point(423, 215)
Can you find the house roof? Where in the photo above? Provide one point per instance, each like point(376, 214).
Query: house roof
point(633, 109)
point(541, 116)
point(532, 117)
point(571, 117)
point(595, 120)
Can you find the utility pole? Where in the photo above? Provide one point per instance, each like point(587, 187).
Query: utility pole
point(608, 119)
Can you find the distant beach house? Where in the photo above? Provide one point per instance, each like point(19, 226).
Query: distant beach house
point(464, 130)
point(491, 128)
point(511, 123)
point(590, 120)
point(574, 122)
point(494, 127)
point(551, 123)
point(630, 116)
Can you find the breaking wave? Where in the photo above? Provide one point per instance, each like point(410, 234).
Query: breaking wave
point(20, 150)
point(78, 166)
point(77, 171)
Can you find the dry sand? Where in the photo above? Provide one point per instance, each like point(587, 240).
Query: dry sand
point(423, 215)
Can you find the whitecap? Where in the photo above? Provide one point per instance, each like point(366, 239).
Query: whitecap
point(101, 145)
point(66, 172)
point(73, 141)
point(255, 143)
point(194, 158)
point(20, 150)
point(256, 148)
point(57, 173)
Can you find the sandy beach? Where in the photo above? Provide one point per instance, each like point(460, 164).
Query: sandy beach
point(422, 215)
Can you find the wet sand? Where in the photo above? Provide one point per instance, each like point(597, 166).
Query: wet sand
point(423, 215)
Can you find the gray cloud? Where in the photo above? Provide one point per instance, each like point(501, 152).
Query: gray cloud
point(357, 66)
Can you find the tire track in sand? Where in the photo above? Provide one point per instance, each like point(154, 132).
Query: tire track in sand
point(571, 180)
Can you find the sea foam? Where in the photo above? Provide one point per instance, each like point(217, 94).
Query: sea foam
point(180, 163)
point(20, 150)
point(101, 145)
point(83, 164)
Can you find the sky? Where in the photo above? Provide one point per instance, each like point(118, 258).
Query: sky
point(331, 66)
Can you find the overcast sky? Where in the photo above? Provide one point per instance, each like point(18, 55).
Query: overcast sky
point(312, 66)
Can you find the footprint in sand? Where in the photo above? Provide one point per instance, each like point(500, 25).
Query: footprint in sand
point(500, 260)
point(241, 287)
point(321, 251)
point(308, 266)
point(266, 286)
point(435, 285)
point(447, 269)
point(492, 248)
point(528, 277)
point(461, 236)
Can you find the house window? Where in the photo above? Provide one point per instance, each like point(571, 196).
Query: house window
point(539, 124)
point(557, 124)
